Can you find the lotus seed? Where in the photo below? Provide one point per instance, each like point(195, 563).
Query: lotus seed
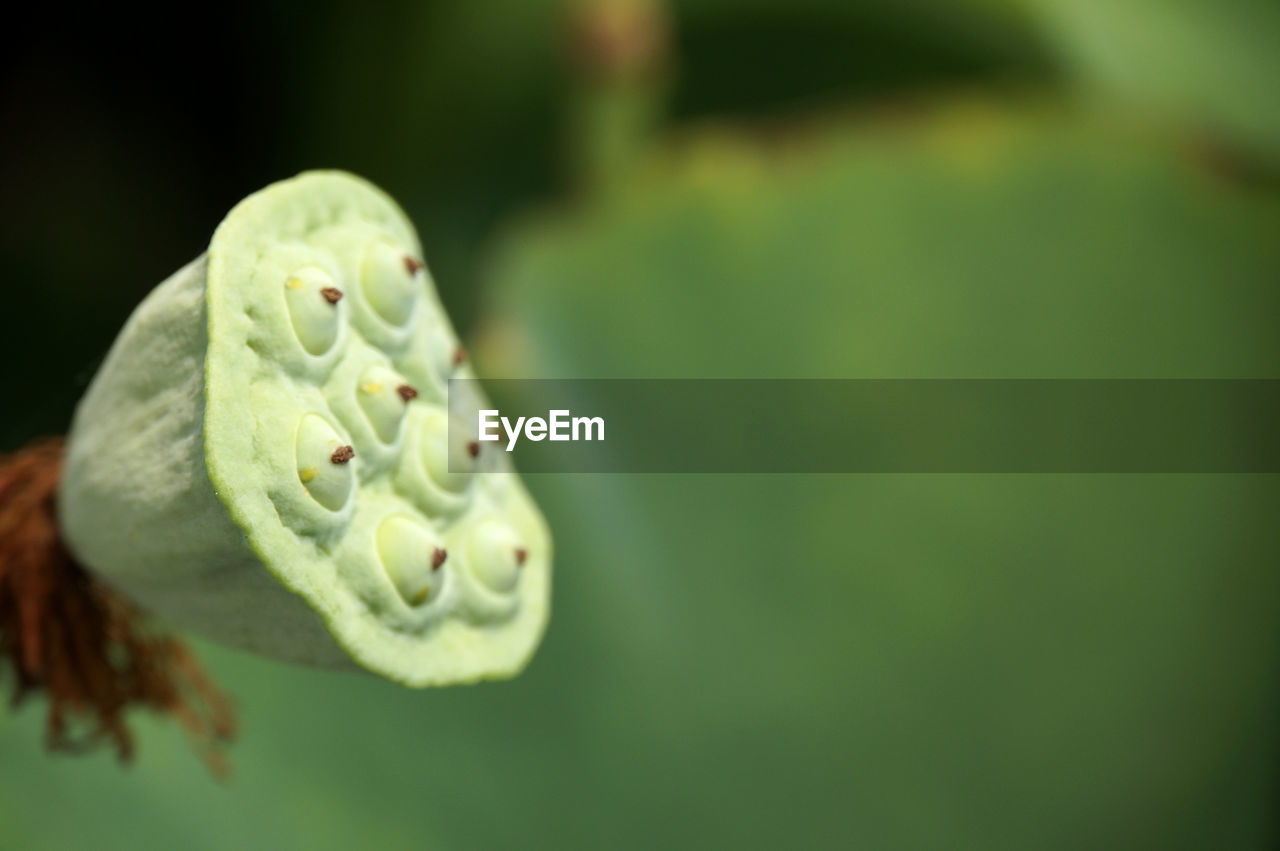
point(495, 556)
point(410, 553)
point(382, 406)
point(451, 473)
point(328, 479)
point(311, 310)
point(389, 283)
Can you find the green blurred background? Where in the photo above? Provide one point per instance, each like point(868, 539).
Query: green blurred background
point(706, 188)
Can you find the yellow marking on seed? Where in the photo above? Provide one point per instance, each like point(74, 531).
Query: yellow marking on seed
point(373, 388)
point(307, 474)
point(421, 596)
point(296, 284)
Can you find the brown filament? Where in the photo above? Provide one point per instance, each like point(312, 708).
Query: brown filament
point(68, 635)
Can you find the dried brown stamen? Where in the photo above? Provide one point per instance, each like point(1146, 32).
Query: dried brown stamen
point(333, 295)
point(93, 654)
point(407, 392)
point(411, 265)
point(438, 555)
point(342, 454)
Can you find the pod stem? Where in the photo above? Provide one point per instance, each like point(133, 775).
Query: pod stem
point(620, 53)
point(67, 634)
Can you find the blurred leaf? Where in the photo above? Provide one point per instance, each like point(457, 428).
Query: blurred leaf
point(959, 241)
point(917, 661)
point(1211, 62)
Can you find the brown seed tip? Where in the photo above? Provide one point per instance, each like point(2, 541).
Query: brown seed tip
point(342, 455)
point(459, 355)
point(438, 555)
point(406, 392)
point(333, 295)
point(411, 265)
point(521, 556)
point(473, 449)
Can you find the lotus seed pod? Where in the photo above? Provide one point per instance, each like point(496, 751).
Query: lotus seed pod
point(264, 456)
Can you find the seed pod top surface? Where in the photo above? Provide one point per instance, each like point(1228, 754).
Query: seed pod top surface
point(325, 437)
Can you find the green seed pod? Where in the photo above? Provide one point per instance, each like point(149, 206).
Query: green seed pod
point(264, 457)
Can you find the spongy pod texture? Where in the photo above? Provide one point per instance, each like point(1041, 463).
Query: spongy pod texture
point(265, 455)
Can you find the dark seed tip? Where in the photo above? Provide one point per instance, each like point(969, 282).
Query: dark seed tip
point(521, 556)
point(406, 392)
point(411, 265)
point(459, 355)
point(333, 295)
point(342, 455)
point(473, 449)
point(438, 555)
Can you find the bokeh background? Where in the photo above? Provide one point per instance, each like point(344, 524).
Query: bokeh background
point(706, 188)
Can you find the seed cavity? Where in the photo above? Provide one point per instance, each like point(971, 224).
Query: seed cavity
point(342, 454)
point(307, 296)
point(410, 553)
